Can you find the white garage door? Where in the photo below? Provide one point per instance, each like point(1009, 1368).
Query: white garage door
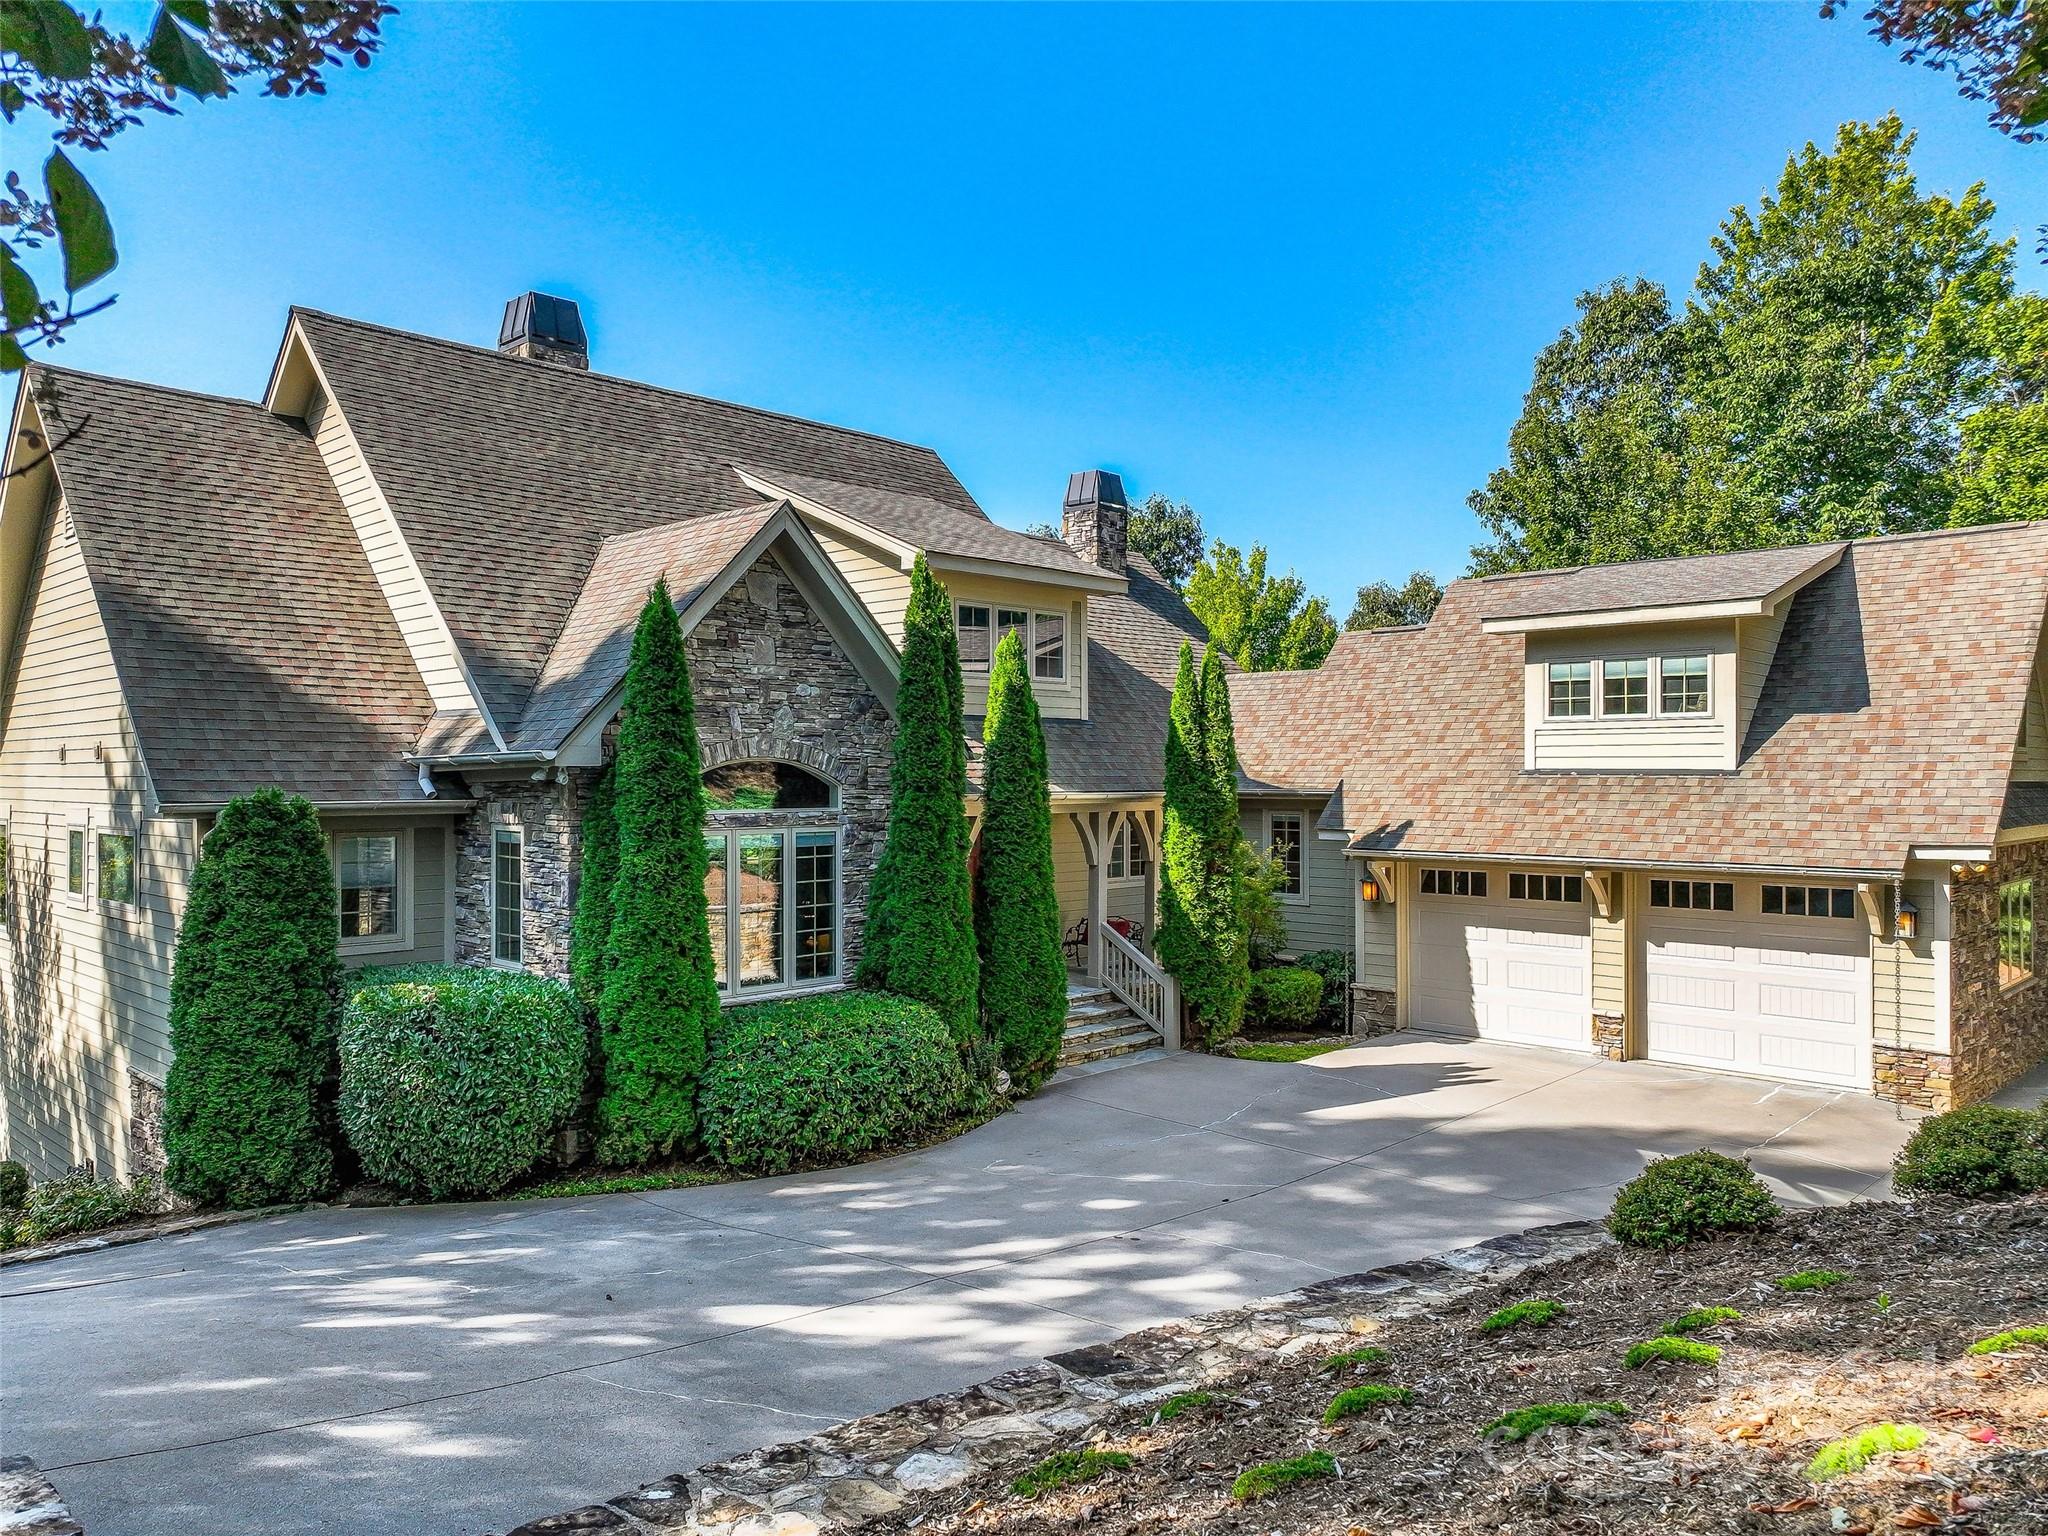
point(1759, 977)
point(1502, 967)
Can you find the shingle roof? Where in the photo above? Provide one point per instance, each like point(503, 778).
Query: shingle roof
point(1748, 574)
point(506, 474)
point(249, 634)
point(2026, 805)
point(931, 525)
point(1888, 718)
point(590, 655)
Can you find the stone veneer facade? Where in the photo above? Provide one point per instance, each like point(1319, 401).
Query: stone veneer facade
point(770, 681)
point(1610, 1036)
point(1373, 1011)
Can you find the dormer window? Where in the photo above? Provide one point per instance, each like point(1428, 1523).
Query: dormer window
point(1571, 689)
point(1684, 684)
point(980, 629)
point(1625, 687)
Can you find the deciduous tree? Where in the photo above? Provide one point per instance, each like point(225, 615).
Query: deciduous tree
point(1169, 534)
point(1383, 605)
point(1264, 623)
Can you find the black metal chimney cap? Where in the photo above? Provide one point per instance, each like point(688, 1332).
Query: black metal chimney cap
point(543, 317)
point(1088, 486)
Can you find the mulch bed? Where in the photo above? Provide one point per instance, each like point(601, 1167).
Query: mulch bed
point(1702, 1449)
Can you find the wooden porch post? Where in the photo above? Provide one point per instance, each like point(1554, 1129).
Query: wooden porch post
point(1097, 844)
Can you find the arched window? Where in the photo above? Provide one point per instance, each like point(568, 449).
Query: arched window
point(772, 889)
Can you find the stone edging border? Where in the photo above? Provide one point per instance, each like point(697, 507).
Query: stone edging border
point(29, 1506)
point(867, 1467)
point(121, 1237)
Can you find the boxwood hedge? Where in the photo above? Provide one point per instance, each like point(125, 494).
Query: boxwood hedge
point(454, 1080)
point(1284, 997)
point(812, 1081)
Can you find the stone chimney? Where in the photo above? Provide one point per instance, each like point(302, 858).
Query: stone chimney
point(1095, 519)
point(543, 327)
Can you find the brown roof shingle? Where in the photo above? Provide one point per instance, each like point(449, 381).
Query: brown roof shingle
point(1744, 574)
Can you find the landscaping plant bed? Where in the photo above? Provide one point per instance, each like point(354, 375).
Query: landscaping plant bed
point(1701, 1447)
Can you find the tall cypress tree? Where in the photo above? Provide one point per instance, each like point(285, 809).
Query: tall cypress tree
point(919, 939)
point(1201, 926)
point(659, 999)
point(597, 872)
point(255, 1008)
point(1226, 868)
point(1016, 908)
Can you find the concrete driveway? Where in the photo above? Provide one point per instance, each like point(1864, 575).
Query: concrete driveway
point(459, 1369)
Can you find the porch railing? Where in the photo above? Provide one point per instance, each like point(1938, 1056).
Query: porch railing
point(1145, 989)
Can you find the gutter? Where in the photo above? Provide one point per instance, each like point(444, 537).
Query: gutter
point(1583, 861)
point(325, 807)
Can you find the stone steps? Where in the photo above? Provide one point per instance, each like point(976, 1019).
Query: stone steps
point(1099, 1027)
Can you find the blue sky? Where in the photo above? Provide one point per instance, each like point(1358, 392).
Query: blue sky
point(1291, 264)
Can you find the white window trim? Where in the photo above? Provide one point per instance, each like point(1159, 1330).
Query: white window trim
point(1029, 632)
point(1031, 647)
point(1128, 828)
point(402, 873)
point(1652, 680)
point(1291, 898)
point(1656, 714)
point(112, 906)
point(733, 994)
point(1550, 697)
point(80, 823)
point(517, 834)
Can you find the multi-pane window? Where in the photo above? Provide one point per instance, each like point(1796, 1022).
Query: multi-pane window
point(757, 909)
point(366, 869)
point(1012, 621)
point(1683, 685)
point(1809, 901)
point(1693, 895)
point(980, 629)
point(1454, 882)
point(971, 624)
point(1571, 689)
point(1567, 888)
point(1625, 687)
point(1128, 859)
point(116, 867)
point(817, 905)
point(773, 900)
point(74, 862)
point(1285, 843)
point(1049, 647)
point(2015, 932)
point(508, 895)
point(715, 897)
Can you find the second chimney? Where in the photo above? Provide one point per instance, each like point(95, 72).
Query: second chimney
point(541, 326)
point(1095, 520)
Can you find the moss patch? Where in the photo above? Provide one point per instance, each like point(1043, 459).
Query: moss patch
point(2012, 1338)
point(1183, 1402)
point(1282, 1050)
point(1523, 1314)
point(1350, 1359)
point(1686, 1351)
point(1698, 1318)
point(1269, 1477)
point(1811, 1280)
point(1524, 1422)
point(1854, 1452)
point(619, 1183)
point(1356, 1400)
point(1066, 1468)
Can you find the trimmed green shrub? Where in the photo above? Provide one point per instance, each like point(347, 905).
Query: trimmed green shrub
point(2012, 1338)
point(1202, 939)
point(1524, 1314)
point(1664, 1347)
point(1524, 1422)
point(1352, 1359)
point(1284, 997)
point(14, 1186)
point(1269, 1477)
point(1678, 1199)
point(659, 1000)
point(1334, 966)
point(76, 1203)
point(1067, 1467)
point(1987, 1152)
point(456, 1086)
point(597, 871)
point(1353, 1401)
point(1852, 1453)
point(817, 1081)
point(255, 1005)
point(1810, 1280)
point(1698, 1318)
point(919, 940)
point(1016, 906)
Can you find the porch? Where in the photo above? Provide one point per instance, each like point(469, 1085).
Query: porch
point(1106, 872)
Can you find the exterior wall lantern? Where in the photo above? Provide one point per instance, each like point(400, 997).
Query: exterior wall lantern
point(1368, 890)
point(1908, 923)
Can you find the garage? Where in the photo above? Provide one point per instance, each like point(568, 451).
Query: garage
point(1502, 955)
point(1768, 978)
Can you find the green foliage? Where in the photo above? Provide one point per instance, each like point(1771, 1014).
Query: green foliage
point(817, 1081)
point(77, 1203)
point(1664, 1347)
point(1678, 1199)
point(1382, 605)
point(1068, 1467)
point(1269, 1477)
point(1183, 1402)
point(579, 1186)
point(255, 1004)
point(920, 939)
point(2012, 1338)
point(1169, 534)
point(1524, 1422)
point(1987, 1152)
point(1284, 997)
point(14, 1186)
point(1997, 53)
point(1538, 1313)
point(1016, 907)
point(1697, 1319)
point(455, 1087)
point(1260, 876)
point(1200, 938)
point(1353, 1401)
point(1263, 623)
point(1354, 1359)
point(1334, 966)
point(1810, 1280)
point(660, 995)
point(1853, 1453)
point(1826, 380)
point(1281, 1050)
point(597, 873)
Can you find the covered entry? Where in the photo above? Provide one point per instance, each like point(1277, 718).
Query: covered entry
point(1502, 955)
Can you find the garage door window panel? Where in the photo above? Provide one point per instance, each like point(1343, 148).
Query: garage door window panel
point(1568, 889)
point(1454, 882)
point(1824, 901)
point(1693, 895)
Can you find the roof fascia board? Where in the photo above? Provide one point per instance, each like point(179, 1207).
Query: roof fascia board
point(1934, 853)
point(412, 566)
point(904, 554)
point(22, 515)
point(294, 344)
point(1667, 613)
point(445, 805)
point(2011, 835)
point(1581, 861)
point(1018, 570)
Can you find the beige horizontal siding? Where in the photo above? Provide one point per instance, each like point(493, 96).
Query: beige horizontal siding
point(1904, 1007)
point(429, 859)
point(1322, 918)
point(1610, 954)
point(883, 588)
